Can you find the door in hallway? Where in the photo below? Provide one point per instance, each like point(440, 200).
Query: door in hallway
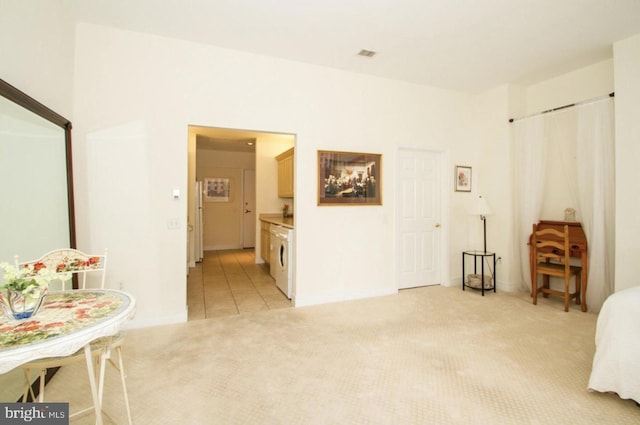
point(249, 209)
point(418, 242)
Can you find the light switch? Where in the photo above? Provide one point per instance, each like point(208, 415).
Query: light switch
point(176, 193)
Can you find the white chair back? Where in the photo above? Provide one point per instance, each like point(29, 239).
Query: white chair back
point(75, 262)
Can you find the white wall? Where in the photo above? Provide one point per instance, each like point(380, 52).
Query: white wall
point(626, 55)
point(268, 146)
point(167, 84)
point(491, 179)
point(37, 45)
point(577, 86)
point(223, 220)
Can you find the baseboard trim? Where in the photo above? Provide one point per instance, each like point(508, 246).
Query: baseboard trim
point(138, 323)
point(334, 298)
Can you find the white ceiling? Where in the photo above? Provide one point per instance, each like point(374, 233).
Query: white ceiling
point(467, 45)
point(224, 139)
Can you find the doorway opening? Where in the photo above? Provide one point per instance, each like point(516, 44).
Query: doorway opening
point(232, 177)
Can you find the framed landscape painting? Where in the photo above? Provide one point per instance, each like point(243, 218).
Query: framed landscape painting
point(349, 178)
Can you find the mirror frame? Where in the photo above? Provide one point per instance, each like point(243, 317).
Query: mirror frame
point(18, 97)
point(22, 99)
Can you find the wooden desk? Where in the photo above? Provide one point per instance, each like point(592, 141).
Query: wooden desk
point(578, 247)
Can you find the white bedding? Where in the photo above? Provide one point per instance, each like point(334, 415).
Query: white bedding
point(616, 363)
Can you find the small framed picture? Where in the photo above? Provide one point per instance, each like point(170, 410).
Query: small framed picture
point(463, 178)
point(216, 189)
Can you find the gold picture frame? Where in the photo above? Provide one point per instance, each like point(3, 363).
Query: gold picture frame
point(349, 178)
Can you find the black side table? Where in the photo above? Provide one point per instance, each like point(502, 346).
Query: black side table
point(479, 255)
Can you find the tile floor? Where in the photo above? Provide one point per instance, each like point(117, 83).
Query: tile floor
point(229, 282)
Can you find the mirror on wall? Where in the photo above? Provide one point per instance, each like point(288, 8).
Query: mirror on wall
point(36, 183)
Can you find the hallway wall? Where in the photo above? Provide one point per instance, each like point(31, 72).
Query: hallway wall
point(223, 220)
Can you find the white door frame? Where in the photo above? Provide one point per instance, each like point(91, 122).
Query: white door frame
point(445, 186)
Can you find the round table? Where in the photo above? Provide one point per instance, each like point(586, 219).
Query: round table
point(66, 322)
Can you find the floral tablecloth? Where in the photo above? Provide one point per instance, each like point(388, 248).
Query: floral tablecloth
point(66, 322)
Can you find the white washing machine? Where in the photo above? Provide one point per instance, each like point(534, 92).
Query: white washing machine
point(281, 266)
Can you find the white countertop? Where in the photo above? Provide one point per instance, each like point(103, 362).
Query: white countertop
point(277, 219)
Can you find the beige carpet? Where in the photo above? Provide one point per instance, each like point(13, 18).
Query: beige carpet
point(426, 356)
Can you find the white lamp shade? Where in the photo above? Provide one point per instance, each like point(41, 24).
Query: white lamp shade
point(480, 207)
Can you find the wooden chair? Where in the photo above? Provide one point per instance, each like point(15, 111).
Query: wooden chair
point(82, 265)
point(551, 257)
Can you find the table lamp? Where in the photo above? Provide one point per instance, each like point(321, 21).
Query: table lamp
point(481, 207)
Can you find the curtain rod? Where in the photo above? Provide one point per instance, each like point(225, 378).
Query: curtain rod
point(612, 94)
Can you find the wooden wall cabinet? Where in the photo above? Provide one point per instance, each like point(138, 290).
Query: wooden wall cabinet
point(265, 241)
point(285, 174)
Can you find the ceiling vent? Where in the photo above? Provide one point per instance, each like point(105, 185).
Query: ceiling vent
point(366, 53)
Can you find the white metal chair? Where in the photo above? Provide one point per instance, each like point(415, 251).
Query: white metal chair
point(82, 265)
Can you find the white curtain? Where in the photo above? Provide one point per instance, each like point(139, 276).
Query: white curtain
point(596, 193)
point(583, 138)
point(528, 184)
point(561, 132)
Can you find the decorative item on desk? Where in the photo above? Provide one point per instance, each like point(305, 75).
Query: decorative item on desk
point(481, 207)
point(25, 288)
point(285, 210)
point(569, 214)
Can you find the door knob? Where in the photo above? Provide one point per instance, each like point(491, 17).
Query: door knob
point(437, 225)
point(247, 211)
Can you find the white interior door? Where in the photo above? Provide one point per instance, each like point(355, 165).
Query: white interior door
point(418, 241)
point(249, 209)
